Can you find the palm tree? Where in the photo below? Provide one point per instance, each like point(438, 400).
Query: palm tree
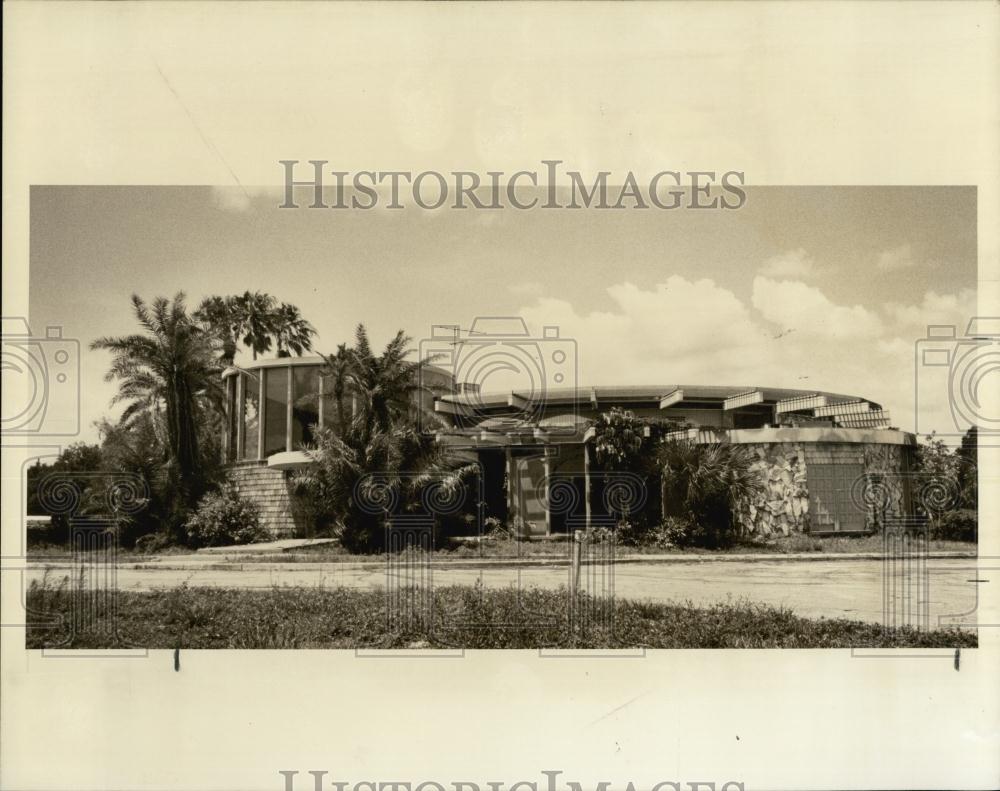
point(256, 313)
point(385, 384)
point(220, 316)
point(380, 440)
point(336, 373)
point(292, 333)
point(711, 485)
point(170, 371)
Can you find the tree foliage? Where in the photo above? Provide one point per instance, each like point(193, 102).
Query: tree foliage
point(375, 453)
point(259, 321)
point(710, 486)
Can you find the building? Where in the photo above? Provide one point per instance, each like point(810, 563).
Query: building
point(830, 461)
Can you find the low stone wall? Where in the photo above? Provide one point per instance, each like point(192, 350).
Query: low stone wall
point(270, 489)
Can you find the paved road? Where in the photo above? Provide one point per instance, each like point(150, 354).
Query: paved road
point(815, 588)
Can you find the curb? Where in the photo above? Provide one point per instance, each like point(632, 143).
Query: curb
point(472, 563)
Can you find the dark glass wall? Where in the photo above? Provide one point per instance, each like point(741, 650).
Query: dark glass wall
point(251, 415)
point(232, 418)
point(275, 410)
point(305, 404)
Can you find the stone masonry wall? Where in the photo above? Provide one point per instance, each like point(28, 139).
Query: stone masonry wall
point(886, 478)
point(271, 490)
point(784, 507)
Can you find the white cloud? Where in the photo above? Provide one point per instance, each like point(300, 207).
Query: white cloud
point(794, 263)
point(805, 309)
point(895, 259)
point(934, 308)
point(789, 334)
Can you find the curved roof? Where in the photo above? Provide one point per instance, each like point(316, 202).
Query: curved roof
point(652, 394)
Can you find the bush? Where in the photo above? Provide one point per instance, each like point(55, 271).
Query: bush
point(225, 518)
point(960, 525)
point(672, 532)
point(707, 487)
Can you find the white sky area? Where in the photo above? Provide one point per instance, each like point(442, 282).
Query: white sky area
point(826, 288)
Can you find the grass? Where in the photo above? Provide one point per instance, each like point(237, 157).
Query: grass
point(457, 616)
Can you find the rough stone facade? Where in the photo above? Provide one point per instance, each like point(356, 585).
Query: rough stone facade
point(873, 485)
point(271, 490)
point(888, 472)
point(784, 507)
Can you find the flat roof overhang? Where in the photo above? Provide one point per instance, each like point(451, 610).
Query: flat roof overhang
point(654, 396)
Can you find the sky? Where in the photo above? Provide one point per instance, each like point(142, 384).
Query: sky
point(804, 287)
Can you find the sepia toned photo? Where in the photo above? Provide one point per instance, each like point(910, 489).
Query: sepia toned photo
point(500, 396)
point(749, 424)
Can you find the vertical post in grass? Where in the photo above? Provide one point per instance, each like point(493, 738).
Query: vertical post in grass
point(577, 557)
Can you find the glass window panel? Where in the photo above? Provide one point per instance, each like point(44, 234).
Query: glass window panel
point(275, 410)
point(251, 416)
point(232, 415)
point(305, 411)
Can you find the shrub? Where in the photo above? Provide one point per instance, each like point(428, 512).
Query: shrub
point(673, 531)
point(708, 486)
point(960, 525)
point(628, 533)
point(224, 518)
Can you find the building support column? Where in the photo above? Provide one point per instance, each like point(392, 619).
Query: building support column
point(547, 465)
point(289, 412)
point(240, 415)
point(512, 486)
point(261, 414)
